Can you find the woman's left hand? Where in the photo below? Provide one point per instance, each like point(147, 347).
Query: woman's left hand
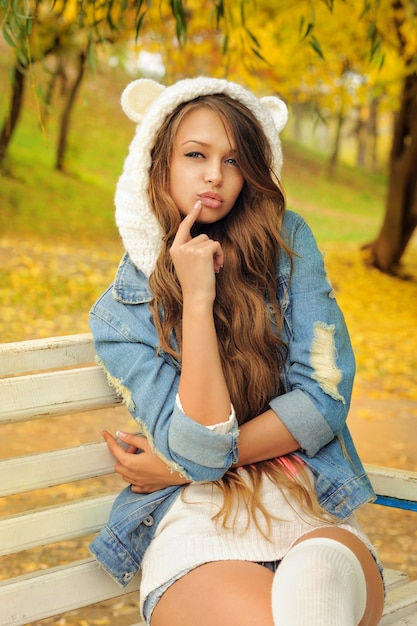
point(145, 472)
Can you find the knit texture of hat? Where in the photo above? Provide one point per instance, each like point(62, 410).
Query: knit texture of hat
point(148, 103)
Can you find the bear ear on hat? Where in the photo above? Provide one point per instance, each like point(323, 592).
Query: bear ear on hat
point(138, 96)
point(277, 109)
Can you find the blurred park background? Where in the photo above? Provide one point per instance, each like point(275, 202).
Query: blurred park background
point(346, 69)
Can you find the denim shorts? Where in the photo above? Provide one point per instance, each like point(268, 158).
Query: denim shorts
point(153, 598)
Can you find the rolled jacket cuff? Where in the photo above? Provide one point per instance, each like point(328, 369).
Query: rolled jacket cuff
point(306, 424)
point(202, 446)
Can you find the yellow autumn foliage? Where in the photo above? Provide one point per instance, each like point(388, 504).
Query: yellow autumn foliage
point(343, 77)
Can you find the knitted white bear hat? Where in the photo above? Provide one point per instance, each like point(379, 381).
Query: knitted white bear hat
point(148, 103)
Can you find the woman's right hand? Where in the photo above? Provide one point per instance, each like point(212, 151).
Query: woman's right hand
point(196, 260)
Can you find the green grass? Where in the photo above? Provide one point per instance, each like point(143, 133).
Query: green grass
point(347, 209)
point(37, 200)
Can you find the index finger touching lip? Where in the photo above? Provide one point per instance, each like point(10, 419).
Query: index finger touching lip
point(188, 221)
point(194, 213)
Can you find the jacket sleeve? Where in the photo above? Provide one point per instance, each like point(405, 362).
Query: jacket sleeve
point(321, 366)
point(147, 380)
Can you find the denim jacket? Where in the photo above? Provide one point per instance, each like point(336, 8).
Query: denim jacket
point(318, 380)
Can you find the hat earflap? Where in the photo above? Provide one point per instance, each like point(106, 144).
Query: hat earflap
point(138, 97)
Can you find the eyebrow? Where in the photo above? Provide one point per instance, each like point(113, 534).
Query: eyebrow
point(201, 143)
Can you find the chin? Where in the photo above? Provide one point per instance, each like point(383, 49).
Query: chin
point(211, 216)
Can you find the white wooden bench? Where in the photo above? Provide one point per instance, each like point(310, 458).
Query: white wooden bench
point(55, 377)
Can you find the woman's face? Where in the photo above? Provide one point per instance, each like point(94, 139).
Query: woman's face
point(204, 167)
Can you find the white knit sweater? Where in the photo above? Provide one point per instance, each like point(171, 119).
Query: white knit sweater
point(187, 536)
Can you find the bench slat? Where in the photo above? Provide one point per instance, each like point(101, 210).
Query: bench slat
point(38, 471)
point(396, 503)
point(394, 578)
point(54, 393)
point(37, 354)
point(58, 590)
point(55, 523)
point(400, 603)
point(393, 483)
point(410, 620)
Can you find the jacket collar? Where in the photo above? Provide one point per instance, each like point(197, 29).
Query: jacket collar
point(131, 285)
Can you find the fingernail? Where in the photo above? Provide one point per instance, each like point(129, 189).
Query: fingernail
point(120, 434)
point(198, 205)
point(102, 433)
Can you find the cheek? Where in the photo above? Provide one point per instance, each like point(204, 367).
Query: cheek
point(238, 183)
point(176, 178)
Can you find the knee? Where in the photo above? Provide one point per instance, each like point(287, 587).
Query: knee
point(320, 580)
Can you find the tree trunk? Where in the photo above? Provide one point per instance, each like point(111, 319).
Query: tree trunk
point(297, 110)
point(66, 114)
point(58, 73)
point(401, 204)
point(16, 103)
point(334, 157)
point(373, 133)
point(361, 137)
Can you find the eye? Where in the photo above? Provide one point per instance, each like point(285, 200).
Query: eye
point(232, 161)
point(194, 155)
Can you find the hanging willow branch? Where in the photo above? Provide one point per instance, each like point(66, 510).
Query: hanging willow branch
point(100, 18)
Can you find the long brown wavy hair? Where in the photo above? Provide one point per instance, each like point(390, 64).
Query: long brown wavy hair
point(247, 315)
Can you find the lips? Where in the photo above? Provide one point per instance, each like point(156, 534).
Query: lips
point(211, 199)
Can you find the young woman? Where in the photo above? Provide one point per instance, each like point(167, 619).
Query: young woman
point(223, 336)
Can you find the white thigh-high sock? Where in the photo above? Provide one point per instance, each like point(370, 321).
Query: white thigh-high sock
point(320, 582)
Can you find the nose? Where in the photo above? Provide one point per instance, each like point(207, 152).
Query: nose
point(213, 173)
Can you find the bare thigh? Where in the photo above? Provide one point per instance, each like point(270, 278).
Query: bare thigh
point(225, 593)
point(374, 585)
